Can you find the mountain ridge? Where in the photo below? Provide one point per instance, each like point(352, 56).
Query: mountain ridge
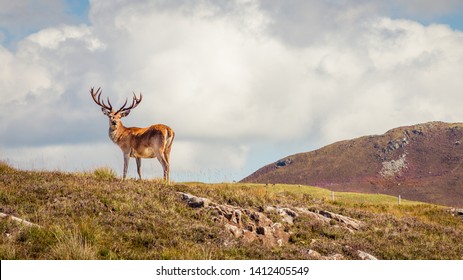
point(420, 162)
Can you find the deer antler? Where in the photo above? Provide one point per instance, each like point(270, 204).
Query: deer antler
point(96, 97)
point(135, 102)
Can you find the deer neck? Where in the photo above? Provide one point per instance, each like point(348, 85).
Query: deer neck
point(117, 132)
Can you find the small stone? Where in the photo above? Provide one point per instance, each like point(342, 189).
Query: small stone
point(314, 254)
point(234, 230)
point(366, 256)
point(198, 202)
point(261, 230)
point(194, 201)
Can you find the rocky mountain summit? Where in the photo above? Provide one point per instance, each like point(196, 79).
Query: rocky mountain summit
point(420, 162)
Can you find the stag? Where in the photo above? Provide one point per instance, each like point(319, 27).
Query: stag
point(150, 142)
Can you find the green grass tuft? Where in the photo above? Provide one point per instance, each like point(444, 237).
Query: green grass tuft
point(5, 167)
point(72, 245)
point(105, 173)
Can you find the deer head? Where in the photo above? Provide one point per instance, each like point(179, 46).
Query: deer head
point(114, 116)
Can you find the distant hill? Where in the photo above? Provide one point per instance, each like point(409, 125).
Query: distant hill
point(420, 162)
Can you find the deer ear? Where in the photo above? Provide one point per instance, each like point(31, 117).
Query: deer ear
point(105, 111)
point(125, 113)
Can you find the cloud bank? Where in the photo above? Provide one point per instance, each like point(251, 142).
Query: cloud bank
point(242, 83)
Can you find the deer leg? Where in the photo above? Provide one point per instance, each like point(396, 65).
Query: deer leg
point(167, 169)
point(168, 148)
point(126, 165)
point(138, 160)
point(165, 166)
point(167, 173)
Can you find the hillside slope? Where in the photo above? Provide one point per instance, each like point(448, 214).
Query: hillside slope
point(98, 216)
point(421, 162)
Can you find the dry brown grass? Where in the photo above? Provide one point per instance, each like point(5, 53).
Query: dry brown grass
point(88, 216)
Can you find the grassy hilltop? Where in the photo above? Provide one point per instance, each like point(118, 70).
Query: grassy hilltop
point(95, 215)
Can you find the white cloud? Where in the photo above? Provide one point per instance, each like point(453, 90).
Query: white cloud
point(20, 18)
point(229, 78)
point(18, 76)
point(53, 38)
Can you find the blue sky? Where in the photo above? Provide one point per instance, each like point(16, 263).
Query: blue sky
point(78, 8)
point(453, 19)
point(48, 13)
point(243, 83)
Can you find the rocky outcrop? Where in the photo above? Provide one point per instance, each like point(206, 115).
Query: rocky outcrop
point(194, 201)
point(249, 225)
point(328, 218)
point(394, 168)
point(255, 225)
point(396, 144)
point(286, 214)
point(283, 162)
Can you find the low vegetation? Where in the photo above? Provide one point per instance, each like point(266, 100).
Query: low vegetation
point(105, 173)
point(95, 215)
